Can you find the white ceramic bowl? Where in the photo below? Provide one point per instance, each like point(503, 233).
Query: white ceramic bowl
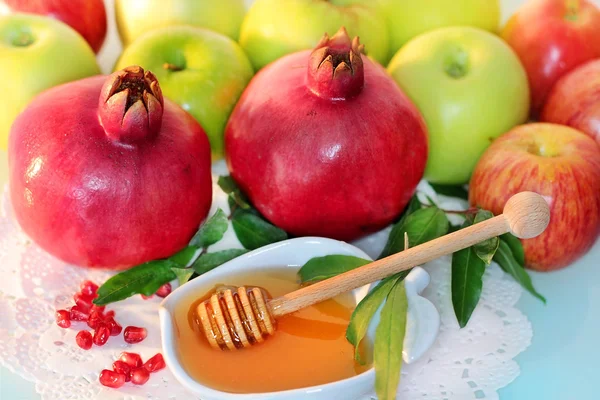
point(422, 323)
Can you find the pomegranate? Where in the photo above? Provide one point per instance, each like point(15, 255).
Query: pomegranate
point(94, 319)
point(325, 143)
point(77, 314)
point(104, 172)
point(134, 334)
point(88, 289)
point(132, 359)
point(139, 376)
point(122, 368)
point(63, 318)
point(101, 334)
point(164, 290)
point(113, 326)
point(84, 340)
point(84, 303)
point(155, 363)
point(111, 379)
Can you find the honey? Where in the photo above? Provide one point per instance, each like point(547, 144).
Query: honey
point(309, 347)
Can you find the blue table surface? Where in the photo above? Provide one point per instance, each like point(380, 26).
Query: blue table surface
point(560, 364)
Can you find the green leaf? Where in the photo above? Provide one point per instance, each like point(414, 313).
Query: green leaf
point(450, 190)
point(508, 262)
point(515, 246)
point(143, 279)
point(389, 341)
point(211, 231)
point(421, 226)
point(253, 231)
point(366, 309)
point(467, 281)
point(183, 275)
point(229, 186)
point(184, 257)
point(320, 268)
point(208, 261)
point(486, 249)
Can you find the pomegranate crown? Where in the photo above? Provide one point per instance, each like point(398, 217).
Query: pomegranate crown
point(335, 67)
point(131, 105)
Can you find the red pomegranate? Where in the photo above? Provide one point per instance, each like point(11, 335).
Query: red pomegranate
point(104, 172)
point(325, 143)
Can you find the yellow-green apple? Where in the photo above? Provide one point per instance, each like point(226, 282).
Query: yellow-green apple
point(409, 18)
point(551, 38)
point(469, 86)
point(575, 100)
point(201, 70)
point(135, 17)
point(37, 53)
point(87, 17)
point(274, 28)
point(558, 162)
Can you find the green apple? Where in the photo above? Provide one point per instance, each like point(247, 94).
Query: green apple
point(409, 18)
point(274, 28)
point(36, 54)
point(135, 17)
point(470, 87)
point(201, 70)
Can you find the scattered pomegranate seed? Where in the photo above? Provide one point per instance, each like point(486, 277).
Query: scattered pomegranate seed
point(134, 334)
point(63, 318)
point(101, 335)
point(77, 314)
point(155, 363)
point(111, 379)
point(114, 327)
point(88, 288)
point(139, 376)
point(164, 290)
point(109, 314)
point(84, 340)
point(132, 359)
point(94, 319)
point(99, 309)
point(146, 297)
point(122, 367)
point(84, 303)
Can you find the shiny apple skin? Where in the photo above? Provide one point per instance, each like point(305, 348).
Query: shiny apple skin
point(85, 198)
point(575, 100)
point(568, 177)
point(309, 181)
point(550, 44)
point(88, 17)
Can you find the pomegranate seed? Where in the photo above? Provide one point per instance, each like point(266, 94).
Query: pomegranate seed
point(94, 319)
point(114, 327)
point(77, 314)
point(134, 334)
point(109, 314)
point(155, 363)
point(164, 290)
point(88, 289)
point(99, 309)
point(132, 359)
point(63, 318)
point(83, 303)
point(84, 340)
point(122, 367)
point(101, 335)
point(146, 297)
point(111, 379)
point(139, 376)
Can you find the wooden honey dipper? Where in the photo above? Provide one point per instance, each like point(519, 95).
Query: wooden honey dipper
point(237, 318)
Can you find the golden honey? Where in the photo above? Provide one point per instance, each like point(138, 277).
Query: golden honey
point(308, 348)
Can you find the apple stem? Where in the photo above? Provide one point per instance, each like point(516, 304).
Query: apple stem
point(172, 67)
point(572, 10)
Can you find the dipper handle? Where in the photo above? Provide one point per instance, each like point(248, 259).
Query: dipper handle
point(525, 215)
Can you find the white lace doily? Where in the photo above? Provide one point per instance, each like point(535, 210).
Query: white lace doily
point(472, 363)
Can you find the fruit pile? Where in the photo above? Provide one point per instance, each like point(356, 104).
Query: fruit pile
point(327, 113)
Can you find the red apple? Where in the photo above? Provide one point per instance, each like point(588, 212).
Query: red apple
point(575, 100)
point(86, 17)
point(552, 37)
point(558, 162)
